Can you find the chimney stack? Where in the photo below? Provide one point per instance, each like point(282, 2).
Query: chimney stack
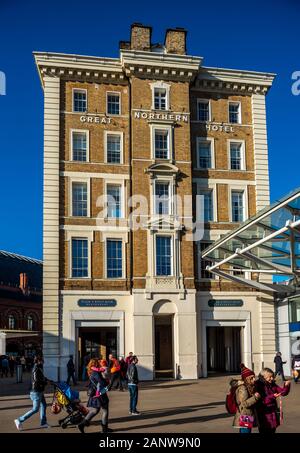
point(140, 37)
point(23, 282)
point(175, 41)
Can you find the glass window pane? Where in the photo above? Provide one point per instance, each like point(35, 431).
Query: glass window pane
point(114, 201)
point(235, 156)
point(161, 144)
point(162, 197)
point(163, 255)
point(79, 146)
point(160, 95)
point(237, 202)
point(204, 154)
point(234, 112)
point(204, 262)
point(113, 147)
point(79, 101)
point(113, 104)
point(114, 258)
point(207, 205)
point(203, 111)
point(79, 258)
point(79, 199)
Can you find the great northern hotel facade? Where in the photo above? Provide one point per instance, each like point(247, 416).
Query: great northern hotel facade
point(154, 122)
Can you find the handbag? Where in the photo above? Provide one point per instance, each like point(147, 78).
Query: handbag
point(246, 421)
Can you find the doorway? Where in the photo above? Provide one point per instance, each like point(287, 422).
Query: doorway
point(163, 334)
point(224, 349)
point(97, 342)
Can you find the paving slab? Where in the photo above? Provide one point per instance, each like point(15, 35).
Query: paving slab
point(166, 407)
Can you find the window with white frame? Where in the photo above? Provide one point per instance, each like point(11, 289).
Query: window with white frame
point(162, 197)
point(12, 322)
point(236, 156)
point(113, 103)
point(238, 205)
point(114, 202)
point(162, 144)
point(163, 255)
point(79, 258)
point(80, 146)
point(79, 100)
point(207, 205)
point(114, 259)
point(204, 153)
point(79, 199)
point(234, 112)
point(204, 262)
point(113, 148)
point(29, 322)
point(203, 110)
point(160, 98)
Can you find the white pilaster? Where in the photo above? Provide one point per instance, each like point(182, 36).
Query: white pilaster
point(51, 227)
point(260, 151)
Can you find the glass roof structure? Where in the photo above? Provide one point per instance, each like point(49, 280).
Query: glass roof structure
point(264, 250)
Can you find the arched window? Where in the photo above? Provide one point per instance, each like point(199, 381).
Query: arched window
point(30, 322)
point(11, 322)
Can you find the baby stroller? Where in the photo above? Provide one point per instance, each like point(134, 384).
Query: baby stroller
point(67, 399)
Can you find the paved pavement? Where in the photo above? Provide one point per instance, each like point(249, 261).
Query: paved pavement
point(166, 406)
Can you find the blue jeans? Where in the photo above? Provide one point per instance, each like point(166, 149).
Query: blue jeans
point(39, 402)
point(133, 392)
point(245, 430)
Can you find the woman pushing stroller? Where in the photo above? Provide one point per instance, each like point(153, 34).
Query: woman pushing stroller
point(97, 393)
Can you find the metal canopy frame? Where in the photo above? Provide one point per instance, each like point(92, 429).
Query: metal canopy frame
point(268, 243)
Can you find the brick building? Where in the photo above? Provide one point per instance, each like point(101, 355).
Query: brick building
point(20, 304)
point(118, 277)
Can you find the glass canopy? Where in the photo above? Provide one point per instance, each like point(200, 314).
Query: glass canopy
point(263, 250)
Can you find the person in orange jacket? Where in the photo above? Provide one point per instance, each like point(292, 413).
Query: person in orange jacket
point(114, 367)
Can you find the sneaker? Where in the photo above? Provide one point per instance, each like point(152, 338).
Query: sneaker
point(130, 413)
point(18, 424)
point(135, 413)
point(45, 425)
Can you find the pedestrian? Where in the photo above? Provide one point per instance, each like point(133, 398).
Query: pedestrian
point(23, 363)
point(246, 398)
point(133, 381)
point(5, 367)
point(11, 364)
point(279, 365)
point(129, 359)
point(98, 398)
point(86, 360)
point(38, 384)
point(71, 370)
point(269, 417)
point(123, 373)
point(296, 367)
point(114, 368)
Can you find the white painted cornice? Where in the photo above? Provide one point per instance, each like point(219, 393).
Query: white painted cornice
point(159, 64)
point(69, 65)
point(233, 80)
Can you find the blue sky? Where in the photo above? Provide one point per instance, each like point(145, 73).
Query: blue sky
point(261, 36)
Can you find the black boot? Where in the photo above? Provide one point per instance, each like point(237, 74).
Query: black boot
point(106, 429)
point(82, 425)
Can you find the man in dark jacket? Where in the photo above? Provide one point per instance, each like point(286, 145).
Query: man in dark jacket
point(71, 371)
point(133, 381)
point(37, 387)
point(279, 365)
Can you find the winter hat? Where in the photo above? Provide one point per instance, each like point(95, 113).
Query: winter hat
point(246, 372)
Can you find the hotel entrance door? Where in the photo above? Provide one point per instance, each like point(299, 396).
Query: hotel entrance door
point(163, 327)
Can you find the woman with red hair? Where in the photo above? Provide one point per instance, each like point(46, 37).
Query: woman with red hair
point(98, 399)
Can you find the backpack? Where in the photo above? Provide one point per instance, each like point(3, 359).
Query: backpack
point(230, 402)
